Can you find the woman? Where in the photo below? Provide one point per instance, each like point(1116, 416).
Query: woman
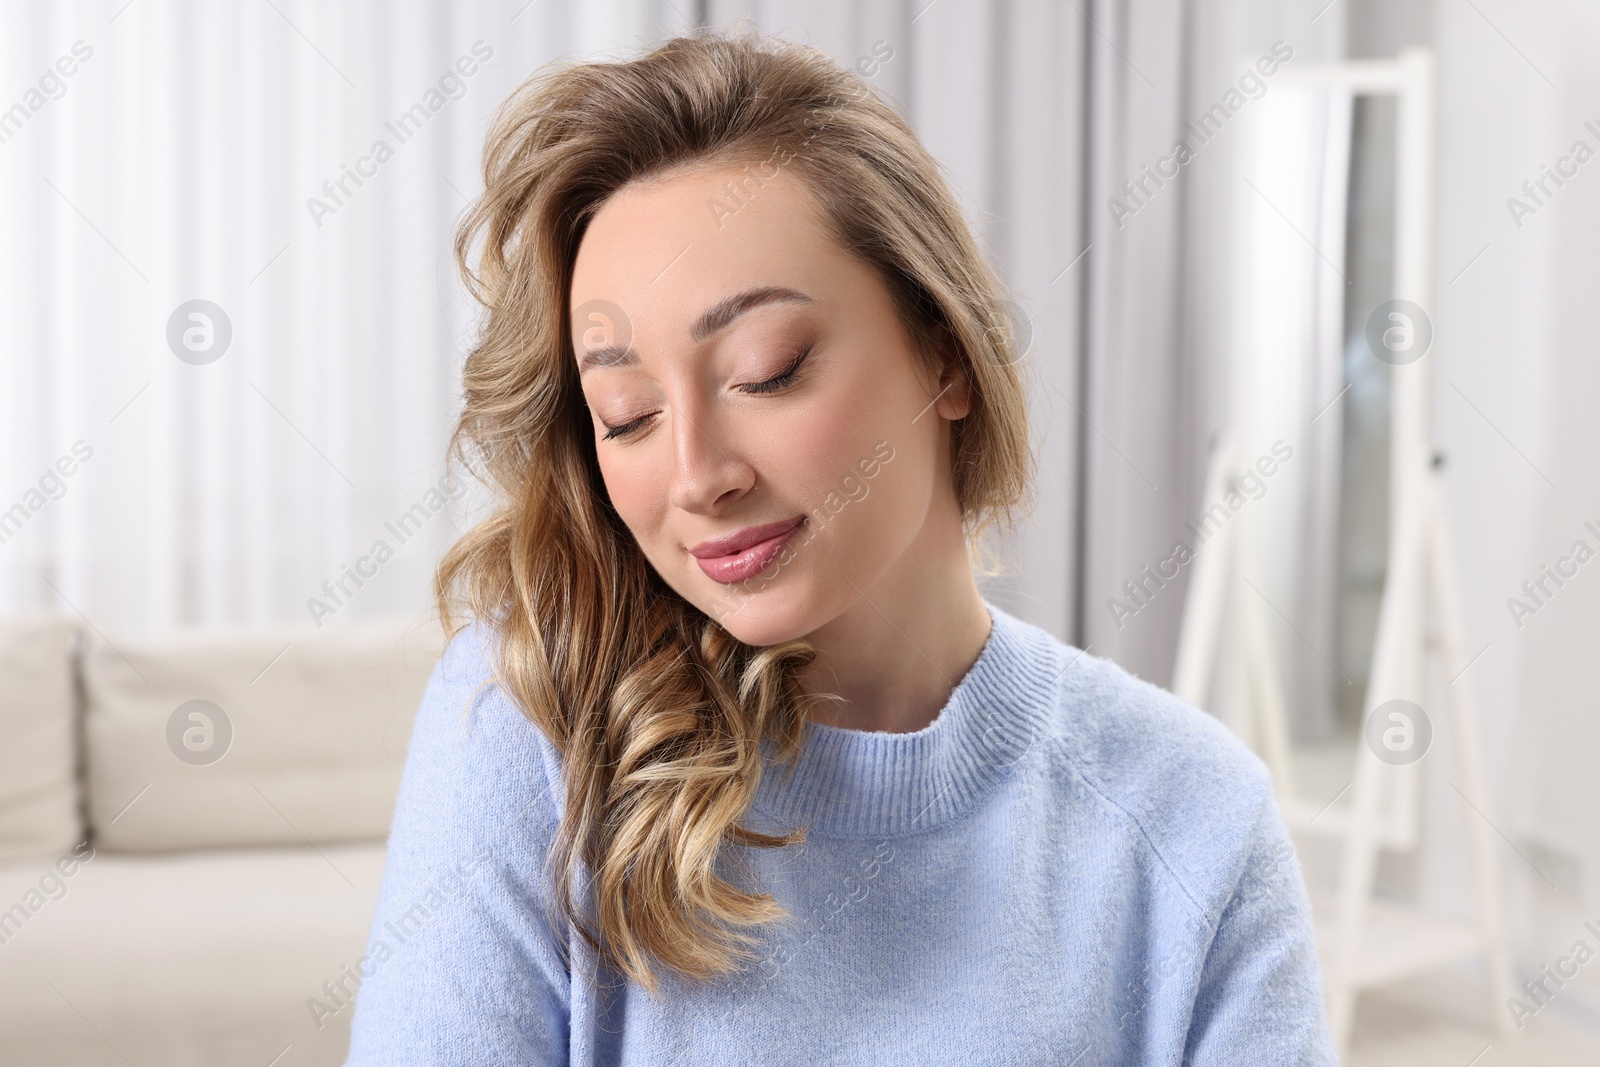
point(735, 765)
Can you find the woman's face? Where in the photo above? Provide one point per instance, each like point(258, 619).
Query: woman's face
point(742, 371)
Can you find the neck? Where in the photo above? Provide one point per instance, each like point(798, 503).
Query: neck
point(896, 653)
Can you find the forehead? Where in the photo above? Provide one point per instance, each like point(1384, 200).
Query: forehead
point(665, 249)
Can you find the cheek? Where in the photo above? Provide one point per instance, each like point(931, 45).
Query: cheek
point(869, 507)
point(636, 492)
point(886, 502)
point(810, 456)
point(840, 474)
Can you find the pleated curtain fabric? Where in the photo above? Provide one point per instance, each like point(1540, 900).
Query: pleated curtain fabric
point(209, 153)
point(1162, 290)
point(297, 167)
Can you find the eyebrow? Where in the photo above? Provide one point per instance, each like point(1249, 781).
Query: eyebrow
point(713, 319)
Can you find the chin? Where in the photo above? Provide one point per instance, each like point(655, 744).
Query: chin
point(764, 618)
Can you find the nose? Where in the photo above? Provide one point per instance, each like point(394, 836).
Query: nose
point(707, 471)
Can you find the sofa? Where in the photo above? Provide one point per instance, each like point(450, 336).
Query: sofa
point(192, 832)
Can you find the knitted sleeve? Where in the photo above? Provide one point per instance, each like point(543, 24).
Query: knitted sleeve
point(1260, 998)
point(463, 966)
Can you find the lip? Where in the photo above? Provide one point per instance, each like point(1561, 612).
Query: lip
point(744, 553)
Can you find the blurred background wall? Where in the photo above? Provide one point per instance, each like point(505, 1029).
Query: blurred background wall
point(1514, 411)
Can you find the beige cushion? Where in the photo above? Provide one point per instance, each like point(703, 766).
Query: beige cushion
point(39, 810)
point(251, 736)
point(188, 959)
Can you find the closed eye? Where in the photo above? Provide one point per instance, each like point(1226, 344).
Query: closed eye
point(624, 430)
point(788, 375)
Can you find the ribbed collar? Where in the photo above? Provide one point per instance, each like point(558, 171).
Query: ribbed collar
point(869, 783)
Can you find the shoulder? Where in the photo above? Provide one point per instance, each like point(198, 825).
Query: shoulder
point(1177, 775)
point(463, 921)
point(471, 736)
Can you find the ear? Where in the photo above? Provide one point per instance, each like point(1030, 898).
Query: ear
point(955, 384)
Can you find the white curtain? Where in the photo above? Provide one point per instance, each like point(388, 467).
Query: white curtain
point(186, 159)
point(160, 152)
point(1161, 297)
point(177, 161)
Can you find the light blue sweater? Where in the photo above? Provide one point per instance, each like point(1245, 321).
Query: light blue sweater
point(1067, 866)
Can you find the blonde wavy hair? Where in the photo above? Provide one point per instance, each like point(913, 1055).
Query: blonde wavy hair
point(657, 711)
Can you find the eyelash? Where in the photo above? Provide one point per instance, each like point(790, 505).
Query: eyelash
point(756, 388)
point(789, 374)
